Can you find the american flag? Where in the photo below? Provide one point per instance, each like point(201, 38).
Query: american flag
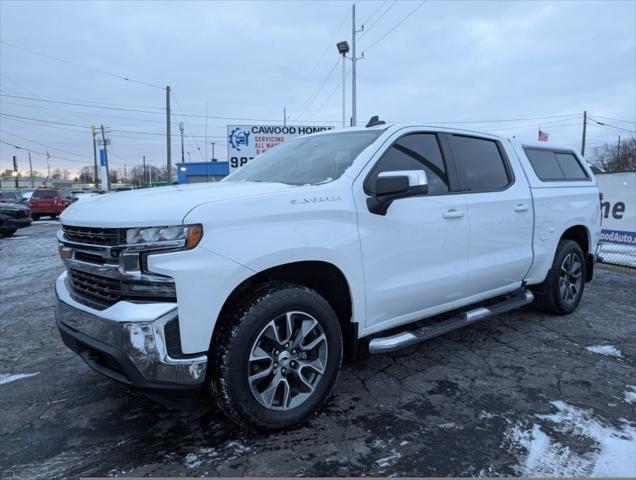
point(543, 136)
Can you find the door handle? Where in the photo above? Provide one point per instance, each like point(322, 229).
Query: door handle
point(452, 213)
point(521, 207)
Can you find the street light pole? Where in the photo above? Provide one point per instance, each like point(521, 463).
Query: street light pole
point(106, 159)
point(353, 65)
point(343, 49)
point(181, 129)
point(94, 131)
point(213, 159)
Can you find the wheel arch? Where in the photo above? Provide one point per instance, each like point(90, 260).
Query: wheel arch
point(323, 277)
point(581, 235)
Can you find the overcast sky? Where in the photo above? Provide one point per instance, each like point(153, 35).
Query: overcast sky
point(450, 61)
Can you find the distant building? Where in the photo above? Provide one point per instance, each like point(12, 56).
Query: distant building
point(201, 172)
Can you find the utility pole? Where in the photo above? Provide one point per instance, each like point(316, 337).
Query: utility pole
point(284, 119)
point(353, 65)
point(206, 132)
point(15, 170)
point(182, 154)
point(584, 132)
point(168, 139)
point(213, 159)
point(94, 131)
point(618, 153)
point(33, 184)
point(105, 158)
point(143, 178)
point(125, 175)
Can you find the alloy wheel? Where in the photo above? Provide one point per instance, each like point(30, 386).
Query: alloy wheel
point(287, 361)
point(570, 278)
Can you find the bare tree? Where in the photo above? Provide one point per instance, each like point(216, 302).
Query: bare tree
point(86, 175)
point(608, 158)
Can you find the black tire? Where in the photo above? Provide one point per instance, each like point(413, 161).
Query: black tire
point(549, 297)
point(35, 216)
point(236, 339)
point(8, 233)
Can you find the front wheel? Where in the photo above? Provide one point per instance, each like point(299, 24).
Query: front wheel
point(277, 358)
point(9, 232)
point(562, 290)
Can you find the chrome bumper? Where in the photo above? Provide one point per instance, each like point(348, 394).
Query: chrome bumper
point(126, 342)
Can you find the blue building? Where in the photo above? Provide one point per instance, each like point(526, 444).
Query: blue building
point(201, 172)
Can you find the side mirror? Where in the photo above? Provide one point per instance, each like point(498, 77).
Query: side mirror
point(394, 185)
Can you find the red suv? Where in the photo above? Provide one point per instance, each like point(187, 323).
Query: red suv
point(49, 201)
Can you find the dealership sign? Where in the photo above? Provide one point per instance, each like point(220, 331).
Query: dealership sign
point(244, 142)
point(618, 207)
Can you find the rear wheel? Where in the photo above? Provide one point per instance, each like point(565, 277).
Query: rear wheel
point(277, 358)
point(35, 216)
point(8, 233)
point(562, 290)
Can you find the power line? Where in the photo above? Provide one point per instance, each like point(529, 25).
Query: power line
point(364, 32)
point(374, 12)
point(98, 70)
point(313, 96)
point(603, 124)
point(338, 86)
point(193, 115)
point(41, 144)
point(615, 119)
point(187, 137)
point(394, 28)
point(40, 153)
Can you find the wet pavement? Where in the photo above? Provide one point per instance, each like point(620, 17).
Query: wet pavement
point(519, 394)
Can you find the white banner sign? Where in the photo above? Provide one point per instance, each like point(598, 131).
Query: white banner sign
point(618, 207)
point(244, 142)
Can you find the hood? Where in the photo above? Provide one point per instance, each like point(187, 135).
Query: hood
point(158, 206)
point(12, 207)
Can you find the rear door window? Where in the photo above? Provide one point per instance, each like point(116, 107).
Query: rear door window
point(551, 165)
point(481, 160)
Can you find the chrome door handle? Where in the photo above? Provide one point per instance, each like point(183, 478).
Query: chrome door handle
point(521, 207)
point(452, 213)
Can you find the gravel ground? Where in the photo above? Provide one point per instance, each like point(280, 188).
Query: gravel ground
point(519, 394)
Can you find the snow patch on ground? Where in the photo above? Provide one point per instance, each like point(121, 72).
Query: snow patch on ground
point(539, 454)
point(389, 460)
point(630, 394)
point(207, 456)
point(607, 350)
point(7, 377)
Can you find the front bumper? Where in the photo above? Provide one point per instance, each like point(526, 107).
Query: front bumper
point(11, 223)
point(126, 342)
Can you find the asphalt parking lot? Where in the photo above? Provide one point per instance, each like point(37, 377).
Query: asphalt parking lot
point(519, 394)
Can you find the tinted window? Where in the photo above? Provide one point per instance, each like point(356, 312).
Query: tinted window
point(482, 163)
point(418, 151)
point(570, 166)
point(544, 164)
point(44, 194)
point(550, 165)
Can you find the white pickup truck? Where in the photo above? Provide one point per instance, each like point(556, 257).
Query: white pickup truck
point(254, 288)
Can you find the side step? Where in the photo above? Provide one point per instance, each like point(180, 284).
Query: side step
point(411, 337)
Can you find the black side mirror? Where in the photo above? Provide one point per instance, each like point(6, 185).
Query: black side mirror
point(390, 186)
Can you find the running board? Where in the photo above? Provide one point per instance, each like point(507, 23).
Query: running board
point(411, 337)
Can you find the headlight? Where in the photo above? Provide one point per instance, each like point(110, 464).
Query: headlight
point(186, 235)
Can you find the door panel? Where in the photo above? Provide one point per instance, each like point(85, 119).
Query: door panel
point(499, 211)
point(414, 258)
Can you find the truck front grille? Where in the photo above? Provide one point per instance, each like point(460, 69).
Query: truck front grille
point(102, 291)
point(92, 236)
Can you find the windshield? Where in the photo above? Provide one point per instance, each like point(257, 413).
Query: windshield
point(307, 160)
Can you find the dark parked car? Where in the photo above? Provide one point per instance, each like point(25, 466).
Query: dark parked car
point(49, 201)
point(12, 217)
